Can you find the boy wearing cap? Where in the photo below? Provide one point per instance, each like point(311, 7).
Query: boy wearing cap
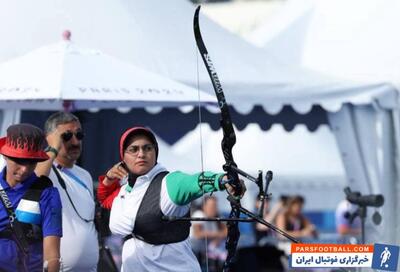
point(140, 192)
point(30, 207)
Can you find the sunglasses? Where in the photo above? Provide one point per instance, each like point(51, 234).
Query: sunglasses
point(66, 136)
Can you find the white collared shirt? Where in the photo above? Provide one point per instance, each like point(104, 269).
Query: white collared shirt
point(79, 246)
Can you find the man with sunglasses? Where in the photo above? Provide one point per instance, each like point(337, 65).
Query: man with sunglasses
point(79, 245)
point(30, 207)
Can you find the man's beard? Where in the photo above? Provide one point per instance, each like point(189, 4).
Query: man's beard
point(73, 156)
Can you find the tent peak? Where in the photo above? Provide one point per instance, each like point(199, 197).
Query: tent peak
point(66, 35)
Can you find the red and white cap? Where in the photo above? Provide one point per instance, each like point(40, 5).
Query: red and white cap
point(24, 141)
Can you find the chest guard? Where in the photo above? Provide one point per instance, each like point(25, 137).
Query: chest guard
point(149, 226)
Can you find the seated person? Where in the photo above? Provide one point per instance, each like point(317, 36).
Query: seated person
point(293, 221)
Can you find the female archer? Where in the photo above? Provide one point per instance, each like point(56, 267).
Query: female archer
point(140, 191)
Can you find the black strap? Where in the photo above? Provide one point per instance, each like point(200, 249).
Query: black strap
point(130, 236)
point(15, 225)
point(126, 238)
point(6, 234)
point(7, 204)
point(63, 185)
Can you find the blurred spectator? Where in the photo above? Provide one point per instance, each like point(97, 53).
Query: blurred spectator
point(294, 222)
point(346, 227)
point(210, 232)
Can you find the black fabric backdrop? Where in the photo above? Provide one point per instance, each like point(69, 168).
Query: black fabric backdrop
point(103, 129)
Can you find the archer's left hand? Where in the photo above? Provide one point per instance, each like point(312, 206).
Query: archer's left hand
point(232, 190)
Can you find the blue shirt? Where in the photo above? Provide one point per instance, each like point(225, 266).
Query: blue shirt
point(50, 221)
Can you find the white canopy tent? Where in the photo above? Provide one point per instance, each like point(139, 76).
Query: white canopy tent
point(65, 76)
point(317, 147)
point(300, 160)
point(158, 35)
point(352, 40)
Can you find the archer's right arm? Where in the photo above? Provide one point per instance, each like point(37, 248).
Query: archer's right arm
point(110, 184)
point(107, 193)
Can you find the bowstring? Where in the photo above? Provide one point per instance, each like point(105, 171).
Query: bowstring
point(201, 150)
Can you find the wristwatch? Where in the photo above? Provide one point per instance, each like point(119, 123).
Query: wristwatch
point(51, 149)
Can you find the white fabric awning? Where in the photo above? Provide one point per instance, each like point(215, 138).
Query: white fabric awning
point(164, 43)
point(330, 95)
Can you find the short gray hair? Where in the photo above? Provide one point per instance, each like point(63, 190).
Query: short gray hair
point(58, 118)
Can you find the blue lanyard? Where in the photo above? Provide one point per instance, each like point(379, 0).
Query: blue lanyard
point(75, 178)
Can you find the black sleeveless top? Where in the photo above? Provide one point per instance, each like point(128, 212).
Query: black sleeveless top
point(149, 226)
